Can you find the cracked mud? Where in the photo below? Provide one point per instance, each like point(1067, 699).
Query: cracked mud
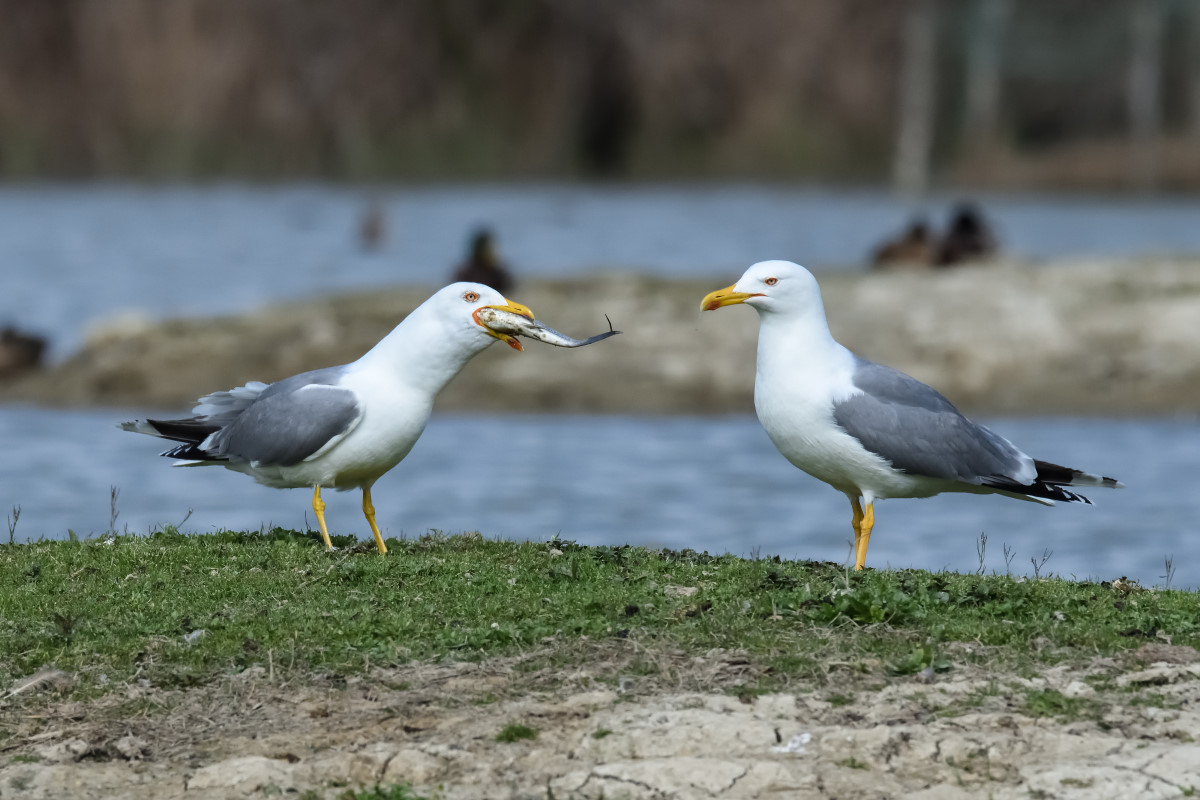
point(1110, 728)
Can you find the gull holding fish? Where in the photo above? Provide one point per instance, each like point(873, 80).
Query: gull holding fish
point(868, 430)
point(343, 427)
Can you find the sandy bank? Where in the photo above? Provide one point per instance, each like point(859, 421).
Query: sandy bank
point(1086, 337)
point(973, 733)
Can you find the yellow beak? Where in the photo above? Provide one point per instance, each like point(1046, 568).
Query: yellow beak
point(512, 308)
point(725, 297)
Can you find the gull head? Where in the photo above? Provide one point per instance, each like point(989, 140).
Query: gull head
point(462, 302)
point(769, 287)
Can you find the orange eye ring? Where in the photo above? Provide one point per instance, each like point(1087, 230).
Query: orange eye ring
point(771, 281)
point(471, 297)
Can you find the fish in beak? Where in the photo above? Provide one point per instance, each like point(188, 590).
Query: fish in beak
point(506, 324)
point(502, 325)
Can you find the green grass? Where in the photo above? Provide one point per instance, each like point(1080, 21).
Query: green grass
point(396, 792)
point(1052, 703)
point(110, 613)
point(516, 732)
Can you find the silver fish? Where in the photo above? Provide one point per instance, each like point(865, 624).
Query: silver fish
point(517, 325)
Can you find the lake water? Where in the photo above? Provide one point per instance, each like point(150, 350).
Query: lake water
point(713, 484)
point(71, 255)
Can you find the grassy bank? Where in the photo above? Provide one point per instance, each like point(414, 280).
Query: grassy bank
point(179, 610)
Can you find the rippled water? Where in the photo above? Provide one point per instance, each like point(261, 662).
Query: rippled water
point(711, 484)
point(72, 255)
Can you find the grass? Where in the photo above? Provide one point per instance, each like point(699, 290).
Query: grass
point(1052, 703)
point(133, 609)
point(515, 733)
point(379, 792)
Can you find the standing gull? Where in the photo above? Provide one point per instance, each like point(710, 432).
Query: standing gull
point(343, 427)
point(865, 429)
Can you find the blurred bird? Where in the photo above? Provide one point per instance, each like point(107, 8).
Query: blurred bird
point(482, 265)
point(968, 238)
point(19, 352)
point(913, 248)
point(372, 228)
point(341, 427)
point(865, 429)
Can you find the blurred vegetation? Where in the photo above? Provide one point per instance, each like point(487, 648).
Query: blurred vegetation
point(425, 89)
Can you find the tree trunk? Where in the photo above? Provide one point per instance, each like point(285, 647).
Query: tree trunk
point(1145, 95)
point(984, 68)
point(914, 142)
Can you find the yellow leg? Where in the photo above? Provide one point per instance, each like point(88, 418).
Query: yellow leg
point(369, 512)
point(319, 508)
point(865, 526)
point(856, 523)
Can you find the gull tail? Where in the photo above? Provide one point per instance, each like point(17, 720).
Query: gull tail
point(1051, 482)
point(1052, 478)
point(191, 434)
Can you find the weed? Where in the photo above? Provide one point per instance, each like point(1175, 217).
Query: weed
point(515, 733)
point(853, 763)
point(1078, 783)
point(1053, 703)
point(1150, 700)
point(394, 792)
point(1168, 571)
point(600, 734)
point(12, 524)
point(1037, 565)
point(113, 513)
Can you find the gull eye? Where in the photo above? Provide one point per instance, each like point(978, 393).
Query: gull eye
point(471, 297)
point(771, 281)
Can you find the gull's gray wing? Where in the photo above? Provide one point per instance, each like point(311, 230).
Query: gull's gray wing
point(920, 432)
point(288, 421)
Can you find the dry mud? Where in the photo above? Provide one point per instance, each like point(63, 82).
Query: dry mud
point(1085, 337)
point(1131, 730)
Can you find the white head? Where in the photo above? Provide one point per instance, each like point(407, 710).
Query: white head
point(457, 307)
point(771, 287)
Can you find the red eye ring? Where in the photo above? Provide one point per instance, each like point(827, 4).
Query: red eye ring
point(771, 281)
point(471, 297)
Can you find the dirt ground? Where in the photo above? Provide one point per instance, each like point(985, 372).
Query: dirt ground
point(1117, 728)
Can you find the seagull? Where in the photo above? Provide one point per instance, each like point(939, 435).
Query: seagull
point(868, 430)
point(341, 427)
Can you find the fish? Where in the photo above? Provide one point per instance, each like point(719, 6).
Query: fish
point(507, 322)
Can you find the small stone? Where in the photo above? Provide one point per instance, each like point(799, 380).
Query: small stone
point(247, 773)
point(131, 748)
point(679, 591)
point(1159, 675)
point(413, 766)
point(64, 752)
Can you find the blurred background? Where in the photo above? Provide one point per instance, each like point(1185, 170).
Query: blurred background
point(1001, 197)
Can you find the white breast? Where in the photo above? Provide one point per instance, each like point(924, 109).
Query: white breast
point(794, 391)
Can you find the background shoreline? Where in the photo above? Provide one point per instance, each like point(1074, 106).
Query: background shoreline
point(1114, 338)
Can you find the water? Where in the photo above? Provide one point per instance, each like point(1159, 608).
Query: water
point(71, 255)
point(713, 483)
point(74, 254)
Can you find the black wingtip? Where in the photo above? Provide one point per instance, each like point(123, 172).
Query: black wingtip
point(611, 332)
